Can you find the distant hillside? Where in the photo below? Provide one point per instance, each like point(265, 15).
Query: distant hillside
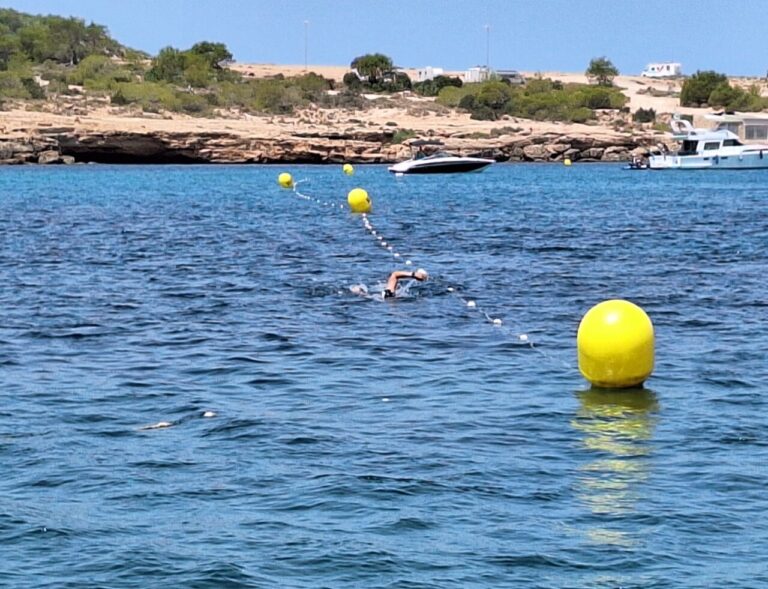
point(40, 39)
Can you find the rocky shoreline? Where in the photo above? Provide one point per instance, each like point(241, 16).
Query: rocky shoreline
point(67, 145)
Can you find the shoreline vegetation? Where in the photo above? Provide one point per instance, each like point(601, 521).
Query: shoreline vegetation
point(70, 93)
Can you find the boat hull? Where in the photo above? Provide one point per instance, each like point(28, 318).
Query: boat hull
point(745, 161)
point(441, 167)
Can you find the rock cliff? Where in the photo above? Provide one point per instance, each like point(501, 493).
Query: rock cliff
point(67, 145)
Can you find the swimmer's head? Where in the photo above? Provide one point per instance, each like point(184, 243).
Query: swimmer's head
point(421, 274)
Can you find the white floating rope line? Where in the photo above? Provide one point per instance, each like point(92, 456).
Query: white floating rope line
point(380, 238)
point(522, 338)
point(470, 304)
point(497, 322)
point(326, 203)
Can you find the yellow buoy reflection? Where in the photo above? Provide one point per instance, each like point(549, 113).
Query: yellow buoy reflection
point(617, 428)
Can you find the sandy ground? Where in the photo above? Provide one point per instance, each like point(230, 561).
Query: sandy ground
point(408, 112)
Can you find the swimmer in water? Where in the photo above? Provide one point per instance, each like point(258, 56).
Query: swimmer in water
point(390, 290)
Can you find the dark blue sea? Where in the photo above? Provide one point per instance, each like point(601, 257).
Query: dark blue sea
point(192, 397)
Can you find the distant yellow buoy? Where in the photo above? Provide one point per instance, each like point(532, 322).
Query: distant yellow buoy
point(567, 161)
point(285, 180)
point(348, 169)
point(615, 345)
point(359, 201)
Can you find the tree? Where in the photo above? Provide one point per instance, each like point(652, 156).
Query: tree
point(698, 88)
point(9, 46)
point(213, 53)
point(69, 38)
point(372, 66)
point(494, 95)
point(169, 66)
point(602, 70)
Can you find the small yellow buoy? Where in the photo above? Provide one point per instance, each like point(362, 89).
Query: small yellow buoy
point(348, 169)
point(567, 161)
point(359, 201)
point(615, 345)
point(285, 180)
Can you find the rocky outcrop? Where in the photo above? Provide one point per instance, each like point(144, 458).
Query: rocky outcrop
point(65, 145)
point(24, 150)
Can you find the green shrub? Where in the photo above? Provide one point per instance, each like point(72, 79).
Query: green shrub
point(599, 97)
point(403, 135)
point(345, 99)
point(432, 87)
point(352, 82)
point(312, 85)
point(467, 102)
point(11, 86)
point(193, 104)
point(540, 99)
point(644, 115)
point(483, 113)
point(697, 89)
point(493, 95)
point(150, 96)
point(451, 96)
point(34, 89)
point(581, 114)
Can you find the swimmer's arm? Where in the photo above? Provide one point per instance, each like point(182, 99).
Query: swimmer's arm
point(397, 275)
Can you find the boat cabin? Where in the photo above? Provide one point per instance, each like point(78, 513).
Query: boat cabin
point(709, 143)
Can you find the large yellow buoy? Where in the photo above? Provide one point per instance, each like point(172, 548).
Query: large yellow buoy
point(348, 169)
point(285, 180)
point(616, 345)
point(359, 201)
point(567, 161)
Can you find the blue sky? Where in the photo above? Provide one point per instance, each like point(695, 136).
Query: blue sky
point(727, 36)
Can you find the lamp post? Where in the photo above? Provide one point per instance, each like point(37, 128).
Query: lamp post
point(488, 48)
point(306, 37)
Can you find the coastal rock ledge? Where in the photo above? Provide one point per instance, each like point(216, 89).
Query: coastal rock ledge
point(66, 145)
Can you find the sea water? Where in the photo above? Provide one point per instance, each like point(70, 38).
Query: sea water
point(192, 396)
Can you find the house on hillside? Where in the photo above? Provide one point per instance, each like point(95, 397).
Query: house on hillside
point(514, 77)
point(662, 70)
point(476, 74)
point(481, 73)
point(428, 73)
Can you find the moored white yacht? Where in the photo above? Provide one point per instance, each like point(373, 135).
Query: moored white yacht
point(703, 149)
point(437, 163)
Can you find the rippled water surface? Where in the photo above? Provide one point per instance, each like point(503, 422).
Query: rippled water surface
point(191, 396)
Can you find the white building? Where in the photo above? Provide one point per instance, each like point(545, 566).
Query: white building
point(662, 70)
point(477, 74)
point(428, 73)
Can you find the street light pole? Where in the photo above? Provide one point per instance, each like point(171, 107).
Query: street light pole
point(306, 36)
point(488, 48)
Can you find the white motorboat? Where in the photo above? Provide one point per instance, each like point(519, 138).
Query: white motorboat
point(703, 149)
point(437, 163)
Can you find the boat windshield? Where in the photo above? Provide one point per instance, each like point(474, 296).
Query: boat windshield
point(688, 148)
